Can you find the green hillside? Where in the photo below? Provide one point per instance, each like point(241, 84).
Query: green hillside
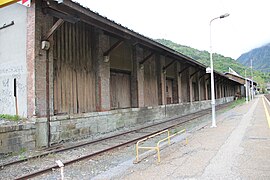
point(221, 63)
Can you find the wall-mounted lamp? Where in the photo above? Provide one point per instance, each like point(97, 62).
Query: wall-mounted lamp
point(45, 45)
point(141, 66)
point(208, 70)
point(106, 59)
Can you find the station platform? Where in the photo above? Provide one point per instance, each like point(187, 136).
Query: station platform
point(238, 148)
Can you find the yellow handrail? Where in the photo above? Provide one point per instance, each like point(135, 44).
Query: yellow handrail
point(169, 137)
point(157, 148)
point(137, 144)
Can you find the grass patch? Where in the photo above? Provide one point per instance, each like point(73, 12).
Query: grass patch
point(237, 103)
point(9, 117)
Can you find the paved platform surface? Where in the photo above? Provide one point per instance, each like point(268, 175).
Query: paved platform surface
point(239, 148)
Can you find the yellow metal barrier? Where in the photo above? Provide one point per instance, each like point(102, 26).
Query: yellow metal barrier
point(157, 148)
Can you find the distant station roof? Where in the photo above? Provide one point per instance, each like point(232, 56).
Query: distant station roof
point(71, 11)
point(238, 78)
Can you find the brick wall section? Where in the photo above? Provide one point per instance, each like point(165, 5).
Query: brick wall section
point(15, 138)
point(43, 24)
point(30, 60)
point(37, 25)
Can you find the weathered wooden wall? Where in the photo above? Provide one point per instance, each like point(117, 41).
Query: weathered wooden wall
point(120, 77)
point(169, 91)
point(150, 82)
point(120, 90)
point(74, 69)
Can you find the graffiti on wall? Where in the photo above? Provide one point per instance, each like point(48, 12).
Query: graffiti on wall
point(7, 75)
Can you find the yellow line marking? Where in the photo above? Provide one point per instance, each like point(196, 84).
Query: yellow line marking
point(266, 113)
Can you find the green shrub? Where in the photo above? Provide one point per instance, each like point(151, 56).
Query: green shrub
point(9, 117)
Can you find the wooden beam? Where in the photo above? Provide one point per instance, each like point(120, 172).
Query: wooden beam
point(113, 47)
point(194, 73)
point(202, 75)
point(180, 72)
point(59, 15)
point(147, 57)
point(168, 65)
point(58, 23)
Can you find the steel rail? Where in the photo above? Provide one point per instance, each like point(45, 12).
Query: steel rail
point(202, 113)
point(40, 172)
point(99, 140)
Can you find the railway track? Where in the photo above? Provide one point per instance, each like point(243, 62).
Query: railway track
point(267, 96)
point(96, 147)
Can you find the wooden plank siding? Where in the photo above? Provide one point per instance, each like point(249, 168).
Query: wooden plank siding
point(120, 75)
point(120, 90)
point(74, 69)
point(169, 91)
point(150, 82)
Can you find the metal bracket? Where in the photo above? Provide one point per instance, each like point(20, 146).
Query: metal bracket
point(7, 25)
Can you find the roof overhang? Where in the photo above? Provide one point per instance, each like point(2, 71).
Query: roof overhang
point(73, 12)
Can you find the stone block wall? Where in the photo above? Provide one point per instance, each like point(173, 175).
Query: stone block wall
point(77, 126)
point(15, 138)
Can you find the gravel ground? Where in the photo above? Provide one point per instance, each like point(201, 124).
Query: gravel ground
point(116, 161)
point(89, 168)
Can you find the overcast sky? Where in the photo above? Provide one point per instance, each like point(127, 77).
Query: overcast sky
point(186, 22)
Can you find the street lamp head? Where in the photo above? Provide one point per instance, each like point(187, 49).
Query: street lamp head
point(224, 15)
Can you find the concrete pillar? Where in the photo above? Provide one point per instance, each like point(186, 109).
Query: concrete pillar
point(199, 89)
point(38, 24)
point(206, 89)
point(190, 90)
point(175, 84)
point(221, 90)
point(161, 80)
point(179, 83)
point(137, 84)
point(102, 72)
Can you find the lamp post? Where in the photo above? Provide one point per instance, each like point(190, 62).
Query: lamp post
point(246, 86)
point(212, 73)
point(252, 90)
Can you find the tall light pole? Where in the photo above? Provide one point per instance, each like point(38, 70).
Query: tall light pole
point(246, 86)
point(252, 91)
point(212, 74)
